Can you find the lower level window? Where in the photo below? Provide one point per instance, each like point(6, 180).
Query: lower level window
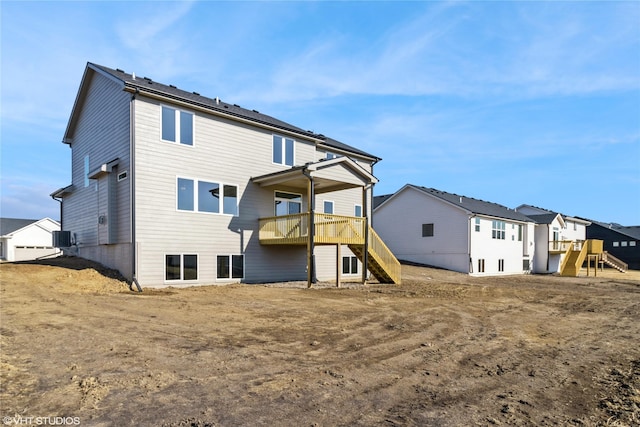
point(230, 267)
point(481, 266)
point(181, 267)
point(349, 265)
point(500, 265)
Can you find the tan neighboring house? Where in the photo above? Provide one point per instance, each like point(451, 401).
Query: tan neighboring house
point(173, 188)
point(27, 239)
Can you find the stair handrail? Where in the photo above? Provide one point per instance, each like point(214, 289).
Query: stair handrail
point(565, 260)
point(612, 260)
point(385, 256)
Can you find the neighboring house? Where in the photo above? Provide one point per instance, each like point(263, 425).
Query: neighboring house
point(27, 239)
point(174, 188)
point(553, 232)
point(459, 233)
point(620, 241)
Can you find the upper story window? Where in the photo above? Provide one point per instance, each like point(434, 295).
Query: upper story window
point(498, 230)
point(205, 196)
point(357, 211)
point(328, 207)
point(283, 151)
point(477, 226)
point(177, 126)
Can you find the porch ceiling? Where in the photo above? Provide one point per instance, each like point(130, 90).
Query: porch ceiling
point(328, 175)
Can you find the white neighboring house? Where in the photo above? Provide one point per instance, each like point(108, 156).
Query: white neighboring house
point(458, 233)
point(27, 239)
point(553, 231)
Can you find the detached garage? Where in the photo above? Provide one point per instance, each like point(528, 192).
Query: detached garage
point(27, 239)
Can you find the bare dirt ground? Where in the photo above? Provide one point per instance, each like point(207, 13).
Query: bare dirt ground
point(442, 349)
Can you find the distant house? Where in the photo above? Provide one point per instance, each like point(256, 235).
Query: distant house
point(619, 241)
point(554, 231)
point(27, 239)
point(173, 188)
point(459, 233)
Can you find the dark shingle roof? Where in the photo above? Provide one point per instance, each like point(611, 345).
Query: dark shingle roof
point(476, 206)
point(378, 200)
point(171, 91)
point(544, 218)
point(631, 231)
point(9, 225)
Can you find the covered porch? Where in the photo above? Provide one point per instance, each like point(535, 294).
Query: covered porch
point(311, 228)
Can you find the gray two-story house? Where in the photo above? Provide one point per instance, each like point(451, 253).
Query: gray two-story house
point(175, 189)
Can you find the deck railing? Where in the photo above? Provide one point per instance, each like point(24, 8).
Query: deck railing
point(284, 229)
point(329, 229)
point(385, 256)
point(561, 246)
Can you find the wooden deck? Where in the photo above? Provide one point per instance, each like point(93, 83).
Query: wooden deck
point(332, 229)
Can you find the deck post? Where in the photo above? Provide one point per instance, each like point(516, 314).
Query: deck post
point(338, 265)
point(365, 255)
point(310, 242)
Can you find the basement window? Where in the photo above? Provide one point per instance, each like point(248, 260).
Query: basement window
point(349, 265)
point(181, 267)
point(230, 267)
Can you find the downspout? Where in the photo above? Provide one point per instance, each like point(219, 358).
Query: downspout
point(311, 271)
point(469, 244)
point(132, 192)
point(59, 200)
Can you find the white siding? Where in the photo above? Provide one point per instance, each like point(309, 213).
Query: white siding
point(399, 224)
point(510, 250)
point(455, 245)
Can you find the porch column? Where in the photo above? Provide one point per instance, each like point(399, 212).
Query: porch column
point(365, 256)
point(310, 242)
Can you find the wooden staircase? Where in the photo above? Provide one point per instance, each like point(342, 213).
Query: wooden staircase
point(614, 262)
point(576, 254)
point(380, 261)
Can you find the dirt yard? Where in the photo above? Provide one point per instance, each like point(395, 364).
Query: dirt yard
point(442, 349)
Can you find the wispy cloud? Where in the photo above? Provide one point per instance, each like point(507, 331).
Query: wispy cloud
point(449, 49)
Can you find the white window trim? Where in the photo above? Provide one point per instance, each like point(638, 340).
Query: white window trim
point(351, 273)
point(287, 192)
point(178, 124)
point(284, 150)
point(195, 196)
point(333, 207)
point(229, 279)
point(181, 279)
point(357, 205)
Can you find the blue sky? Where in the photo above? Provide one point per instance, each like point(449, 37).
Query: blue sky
point(510, 102)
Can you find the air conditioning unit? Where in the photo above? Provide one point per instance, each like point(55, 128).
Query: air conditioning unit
point(61, 239)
